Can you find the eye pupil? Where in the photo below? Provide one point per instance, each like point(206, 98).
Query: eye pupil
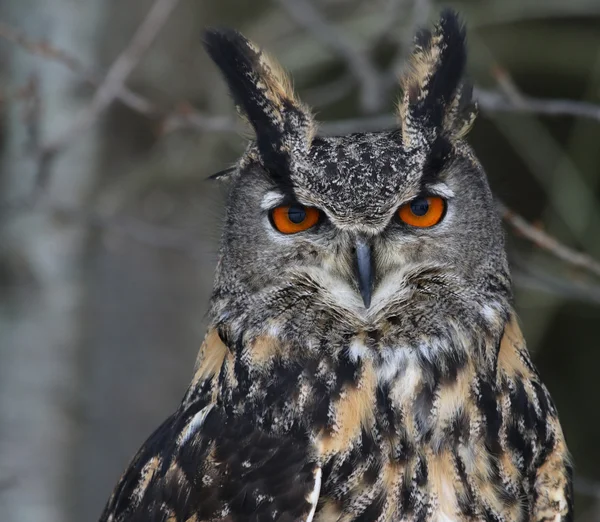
point(419, 206)
point(296, 214)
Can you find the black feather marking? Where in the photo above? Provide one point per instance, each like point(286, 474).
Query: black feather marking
point(446, 78)
point(435, 102)
point(240, 64)
point(423, 405)
point(521, 406)
point(277, 119)
point(569, 493)
point(488, 405)
point(386, 414)
point(466, 500)
point(320, 409)
point(261, 466)
point(518, 444)
point(407, 498)
point(454, 362)
point(436, 160)
point(348, 371)
point(421, 472)
point(459, 428)
point(373, 510)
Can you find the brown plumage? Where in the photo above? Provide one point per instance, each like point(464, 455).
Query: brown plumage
point(363, 368)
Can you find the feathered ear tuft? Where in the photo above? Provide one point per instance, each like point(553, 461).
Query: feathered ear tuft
point(263, 94)
point(435, 102)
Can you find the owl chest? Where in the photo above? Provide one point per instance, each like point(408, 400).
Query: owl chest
point(416, 455)
point(384, 476)
point(392, 446)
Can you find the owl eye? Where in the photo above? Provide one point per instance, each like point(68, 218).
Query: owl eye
point(423, 211)
point(291, 219)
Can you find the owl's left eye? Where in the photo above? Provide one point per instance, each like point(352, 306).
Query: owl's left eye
point(291, 219)
point(423, 212)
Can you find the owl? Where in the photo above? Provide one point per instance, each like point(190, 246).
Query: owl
point(363, 361)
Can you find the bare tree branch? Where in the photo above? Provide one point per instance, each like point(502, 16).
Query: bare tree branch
point(538, 279)
point(357, 60)
point(108, 90)
point(488, 100)
point(47, 51)
point(494, 101)
point(545, 241)
point(184, 116)
point(155, 236)
point(121, 68)
point(44, 50)
point(23, 93)
point(394, 11)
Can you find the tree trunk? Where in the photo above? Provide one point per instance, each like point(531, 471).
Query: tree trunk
point(42, 260)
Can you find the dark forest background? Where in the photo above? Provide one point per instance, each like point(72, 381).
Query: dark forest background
point(111, 120)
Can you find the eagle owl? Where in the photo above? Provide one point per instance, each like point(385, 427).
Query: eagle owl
point(363, 360)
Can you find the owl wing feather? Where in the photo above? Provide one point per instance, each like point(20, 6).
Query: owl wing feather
point(202, 465)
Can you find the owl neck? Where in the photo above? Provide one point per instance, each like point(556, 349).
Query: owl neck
point(330, 379)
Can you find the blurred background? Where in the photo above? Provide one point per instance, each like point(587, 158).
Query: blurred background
point(112, 118)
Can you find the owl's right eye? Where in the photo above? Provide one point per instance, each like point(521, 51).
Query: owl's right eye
point(291, 219)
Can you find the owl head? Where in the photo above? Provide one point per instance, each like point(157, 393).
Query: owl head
point(374, 232)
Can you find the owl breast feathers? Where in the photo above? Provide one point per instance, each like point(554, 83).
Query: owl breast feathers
point(363, 361)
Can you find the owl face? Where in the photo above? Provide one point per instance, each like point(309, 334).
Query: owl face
point(350, 221)
point(364, 227)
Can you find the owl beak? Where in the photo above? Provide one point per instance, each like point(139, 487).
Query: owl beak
point(364, 270)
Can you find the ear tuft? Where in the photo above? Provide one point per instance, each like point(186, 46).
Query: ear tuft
point(263, 94)
point(434, 102)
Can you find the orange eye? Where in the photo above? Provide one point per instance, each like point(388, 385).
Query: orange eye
point(423, 211)
point(291, 219)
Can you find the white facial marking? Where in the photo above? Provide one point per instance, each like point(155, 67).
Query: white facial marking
point(393, 288)
point(338, 290)
point(441, 189)
point(271, 199)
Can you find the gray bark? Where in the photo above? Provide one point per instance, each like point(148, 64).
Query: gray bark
point(39, 324)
